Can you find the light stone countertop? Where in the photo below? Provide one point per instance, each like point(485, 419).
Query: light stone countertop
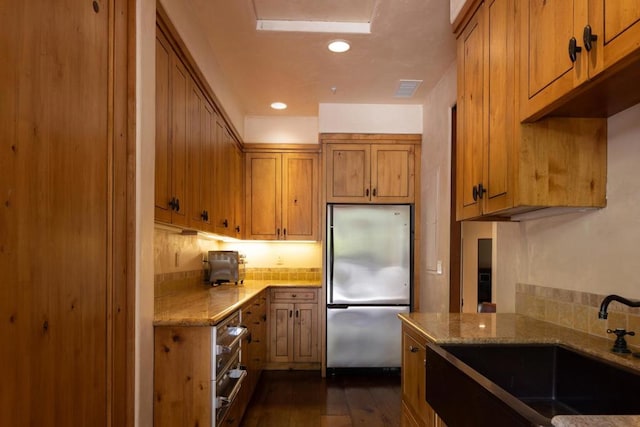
point(206, 306)
point(505, 328)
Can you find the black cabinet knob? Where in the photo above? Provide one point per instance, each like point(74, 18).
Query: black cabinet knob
point(588, 38)
point(574, 49)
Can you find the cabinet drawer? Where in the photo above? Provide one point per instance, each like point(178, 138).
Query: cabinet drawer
point(279, 295)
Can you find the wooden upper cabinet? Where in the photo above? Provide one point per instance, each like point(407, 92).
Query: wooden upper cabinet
point(300, 196)
point(357, 170)
point(238, 192)
point(199, 165)
point(504, 167)
point(618, 25)
point(558, 57)
point(471, 118)
point(163, 113)
point(199, 158)
point(172, 86)
point(282, 195)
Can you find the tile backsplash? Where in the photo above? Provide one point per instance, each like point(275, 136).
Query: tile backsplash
point(576, 310)
point(169, 283)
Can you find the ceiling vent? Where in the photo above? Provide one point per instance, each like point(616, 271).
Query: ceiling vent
point(407, 88)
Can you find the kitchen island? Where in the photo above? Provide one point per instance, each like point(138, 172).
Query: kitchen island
point(500, 328)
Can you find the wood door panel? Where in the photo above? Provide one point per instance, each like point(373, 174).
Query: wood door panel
point(264, 195)
point(300, 196)
point(179, 129)
point(392, 173)
point(619, 16)
point(196, 150)
point(471, 100)
point(162, 156)
point(499, 139)
point(306, 333)
point(281, 318)
point(348, 176)
point(56, 230)
point(551, 29)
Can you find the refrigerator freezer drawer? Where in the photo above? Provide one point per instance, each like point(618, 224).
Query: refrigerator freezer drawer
point(364, 337)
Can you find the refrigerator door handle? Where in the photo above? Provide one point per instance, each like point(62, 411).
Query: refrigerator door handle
point(338, 306)
point(330, 261)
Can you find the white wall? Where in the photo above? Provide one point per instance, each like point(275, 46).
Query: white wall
point(145, 181)
point(455, 7)
point(281, 130)
point(370, 118)
point(436, 193)
point(597, 251)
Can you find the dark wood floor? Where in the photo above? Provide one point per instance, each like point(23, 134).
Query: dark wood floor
point(303, 398)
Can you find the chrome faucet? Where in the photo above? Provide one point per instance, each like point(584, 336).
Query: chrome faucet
point(602, 314)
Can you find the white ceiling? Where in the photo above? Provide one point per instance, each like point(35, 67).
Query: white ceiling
point(409, 40)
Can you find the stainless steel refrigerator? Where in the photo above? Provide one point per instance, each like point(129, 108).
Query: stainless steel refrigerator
point(369, 281)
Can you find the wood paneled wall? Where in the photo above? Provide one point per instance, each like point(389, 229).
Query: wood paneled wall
point(66, 221)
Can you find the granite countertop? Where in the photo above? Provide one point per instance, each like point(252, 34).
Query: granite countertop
point(451, 328)
point(206, 306)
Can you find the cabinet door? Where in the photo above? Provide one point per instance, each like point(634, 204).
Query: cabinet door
point(222, 181)
point(500, 117)
point(617, 25)
point(208, 165)
point(238, 192)
point(263, 196)
point(306, 333)
point(179, 123)
point(392, 173)
point(348, 173)
point(547, 71)
point(281, 332)
point(471, 120)
point(163, 114)
point(414, 379)
point(300, 210)
point(196, 150)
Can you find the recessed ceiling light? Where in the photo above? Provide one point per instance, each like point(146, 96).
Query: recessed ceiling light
point(278, 105)
point(339, 46)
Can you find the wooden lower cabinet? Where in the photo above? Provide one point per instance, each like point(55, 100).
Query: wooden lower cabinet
point(415, 409)
point(182, 370)
point(254, 346)
point(294, 329)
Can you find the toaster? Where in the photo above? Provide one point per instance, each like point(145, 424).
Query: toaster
point(225, 267)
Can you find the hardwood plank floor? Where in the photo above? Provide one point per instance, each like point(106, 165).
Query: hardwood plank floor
point(304, 398)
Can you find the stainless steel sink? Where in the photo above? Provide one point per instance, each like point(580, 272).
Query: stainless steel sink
point(524, 385)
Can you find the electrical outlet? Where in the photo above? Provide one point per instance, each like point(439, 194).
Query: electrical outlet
point(279, 261)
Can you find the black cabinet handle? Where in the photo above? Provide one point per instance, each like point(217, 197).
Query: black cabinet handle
point(574, 49)
point(204, 215)
point(284, 233)
point(481, 190)
point(366, 192)
point(374, 192)
point(475, 193)
point(237, 228)
point(225, 223)
point(588, 37)
point(278, 233)
point(174, 204)
point(297, 313)
point(290, 313)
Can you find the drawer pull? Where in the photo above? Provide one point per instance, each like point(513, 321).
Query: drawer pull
point(413, 349)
